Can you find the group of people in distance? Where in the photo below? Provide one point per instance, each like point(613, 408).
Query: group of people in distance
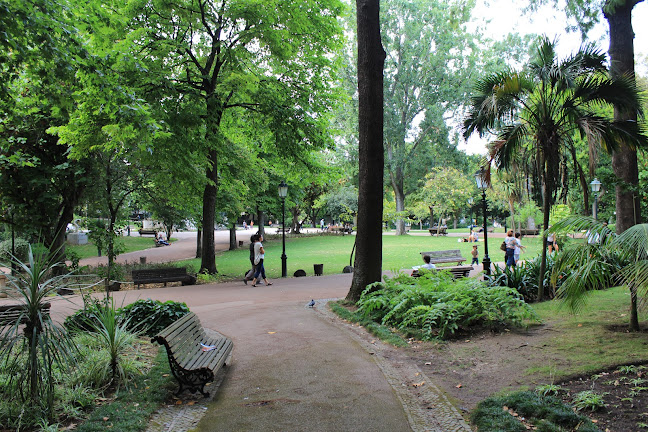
point(257, 255)
point(513, 248)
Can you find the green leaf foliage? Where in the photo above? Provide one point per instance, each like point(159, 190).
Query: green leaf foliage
point(438, 306)
point(547, 413)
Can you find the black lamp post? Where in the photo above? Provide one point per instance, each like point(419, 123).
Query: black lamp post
point(470, 203)
point(283, 191)
point(596, 187)
point(13, 243)
point(482, 184)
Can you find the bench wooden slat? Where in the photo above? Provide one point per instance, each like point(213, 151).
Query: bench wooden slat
point(445, 256)
point(190, 365)
point(12, 313)
point(162, 275)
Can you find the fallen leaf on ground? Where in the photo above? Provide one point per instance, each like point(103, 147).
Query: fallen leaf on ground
point(418, 384)
point(178, 402)
point(191, 403)
point(459, 385)
point(272, 332)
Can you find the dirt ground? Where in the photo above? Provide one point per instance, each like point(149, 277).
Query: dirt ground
point(470, 370)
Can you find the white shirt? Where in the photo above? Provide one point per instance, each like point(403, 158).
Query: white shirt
point(258, 256)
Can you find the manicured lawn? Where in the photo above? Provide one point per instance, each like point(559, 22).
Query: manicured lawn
point(594, 338)
point(399, 252)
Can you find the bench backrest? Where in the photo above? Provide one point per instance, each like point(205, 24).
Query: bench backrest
point(9, 314)
point(452, 253)
point(182, 336)
point(159, 272)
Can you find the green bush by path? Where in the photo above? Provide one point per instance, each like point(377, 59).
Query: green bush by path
point(436, 306)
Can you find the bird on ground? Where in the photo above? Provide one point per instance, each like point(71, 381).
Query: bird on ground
point(312, 303)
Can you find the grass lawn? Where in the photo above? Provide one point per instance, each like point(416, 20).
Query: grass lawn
point(399, 252)
point(133, 243)
point(594, 338)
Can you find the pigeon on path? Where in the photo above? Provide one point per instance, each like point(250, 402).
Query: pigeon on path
point(312, 303)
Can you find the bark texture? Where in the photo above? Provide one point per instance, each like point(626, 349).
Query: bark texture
point(371, 59)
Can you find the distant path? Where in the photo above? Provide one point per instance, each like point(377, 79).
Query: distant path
point(182, 249)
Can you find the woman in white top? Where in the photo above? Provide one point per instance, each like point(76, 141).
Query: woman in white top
point(259, 255)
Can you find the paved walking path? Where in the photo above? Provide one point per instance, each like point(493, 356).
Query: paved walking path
point(293, 368)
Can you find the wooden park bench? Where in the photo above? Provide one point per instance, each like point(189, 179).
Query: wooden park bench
point(15, 313)
point(341, 229)
point(281, 230)
point(147, 231)
point(162, 275)
point(449, 256)
point(528, 231)
point(445, 256)
point(194, 357)
point(438, 231)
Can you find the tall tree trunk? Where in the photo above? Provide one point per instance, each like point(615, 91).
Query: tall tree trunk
point(624, 161)
point(198, 243)
point(371, 59)
point(261, 221)
point(208, 261)
point(512, 211)
point(399, 196)
point(546, 209)
point(232, 237)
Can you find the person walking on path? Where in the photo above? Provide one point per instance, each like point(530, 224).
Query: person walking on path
point(250, 274)
point(509, 257)
point(551, 243)
point(518, 247)
point(475, 255)
point(259, 256)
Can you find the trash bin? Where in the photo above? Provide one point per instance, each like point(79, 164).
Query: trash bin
point(143, 260)
point(318, 269)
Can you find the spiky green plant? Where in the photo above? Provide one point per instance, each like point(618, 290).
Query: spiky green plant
point(28, 354)
point(113, 336)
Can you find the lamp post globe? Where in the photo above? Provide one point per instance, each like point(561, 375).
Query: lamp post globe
point(596, 187)
point(283, 192)
point(482, 184)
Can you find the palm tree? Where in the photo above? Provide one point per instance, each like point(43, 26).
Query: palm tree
point(540, 110)
point(602, 260)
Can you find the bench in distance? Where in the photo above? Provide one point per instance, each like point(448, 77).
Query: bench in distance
point(162, 275)
point(450, 256)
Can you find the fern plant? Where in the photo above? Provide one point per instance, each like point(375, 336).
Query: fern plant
point(437, 306)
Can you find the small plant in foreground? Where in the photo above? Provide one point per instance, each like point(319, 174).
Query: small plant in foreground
point(588, 400)
point(29, 354)
point(548, 389)
point(546, 413)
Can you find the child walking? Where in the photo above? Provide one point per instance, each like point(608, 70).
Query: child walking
point(475, 255)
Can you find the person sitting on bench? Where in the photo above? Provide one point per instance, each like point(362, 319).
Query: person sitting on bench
point(161, 238)
point(427, 266)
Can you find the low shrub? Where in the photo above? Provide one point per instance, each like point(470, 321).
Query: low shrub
point(21, 249)
point(438, 306)
point(522, 411)
point(150, 316)
point(524, 278)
